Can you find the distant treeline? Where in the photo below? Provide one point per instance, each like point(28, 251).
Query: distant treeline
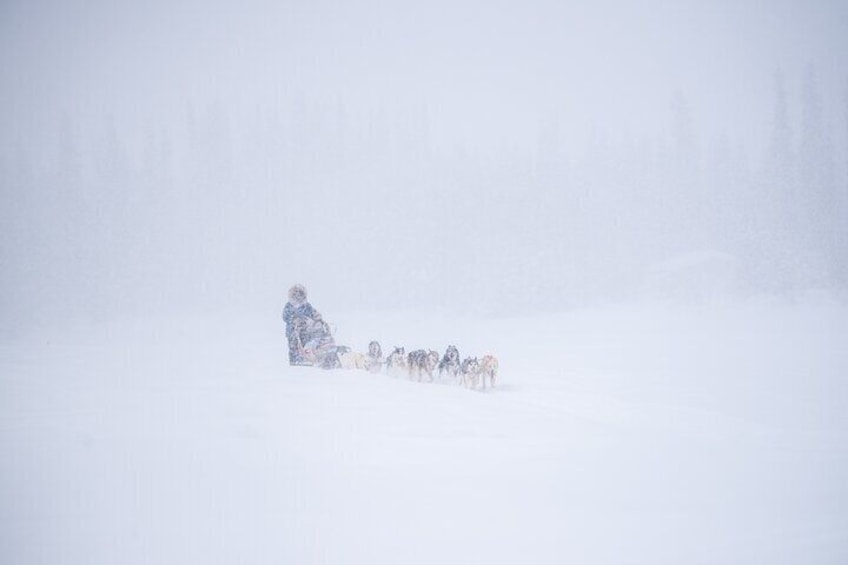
point(213, 212)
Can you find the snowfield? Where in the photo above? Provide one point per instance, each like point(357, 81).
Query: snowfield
point(651, 433)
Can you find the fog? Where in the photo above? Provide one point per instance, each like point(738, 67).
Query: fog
point(636, 211)
point(487, 158)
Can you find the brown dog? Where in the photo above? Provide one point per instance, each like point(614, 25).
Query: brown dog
point(489, 368)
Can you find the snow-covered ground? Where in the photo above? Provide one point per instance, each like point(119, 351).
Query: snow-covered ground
point(630, 434)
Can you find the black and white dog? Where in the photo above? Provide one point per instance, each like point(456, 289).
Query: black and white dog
point(396, 361)
point(450, 363)
point(470, 372)
point(422, 362)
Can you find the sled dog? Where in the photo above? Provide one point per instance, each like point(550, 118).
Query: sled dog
point(375, 357)
point(470, 371)
point(450, 363)
point(422, 362)
point(353, 360)
point(396, 361)
point(489, 368)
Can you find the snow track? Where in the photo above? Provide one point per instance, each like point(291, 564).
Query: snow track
point(643, 435)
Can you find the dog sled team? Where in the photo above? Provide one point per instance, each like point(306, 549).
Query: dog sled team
point(471, 372)
point(311, 343)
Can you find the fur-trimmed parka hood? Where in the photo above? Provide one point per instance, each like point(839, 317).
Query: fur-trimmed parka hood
point(297, 294)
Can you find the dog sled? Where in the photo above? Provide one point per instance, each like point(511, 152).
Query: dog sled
point(314, 345)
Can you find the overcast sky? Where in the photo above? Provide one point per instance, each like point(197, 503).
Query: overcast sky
point(488, 72)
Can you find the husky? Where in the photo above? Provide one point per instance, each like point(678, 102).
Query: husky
point(470, 371)
point(489, 368)
point(450, 363)
point(353, 360)
point(396, 361)
point(375, 357)
point(422, 362)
